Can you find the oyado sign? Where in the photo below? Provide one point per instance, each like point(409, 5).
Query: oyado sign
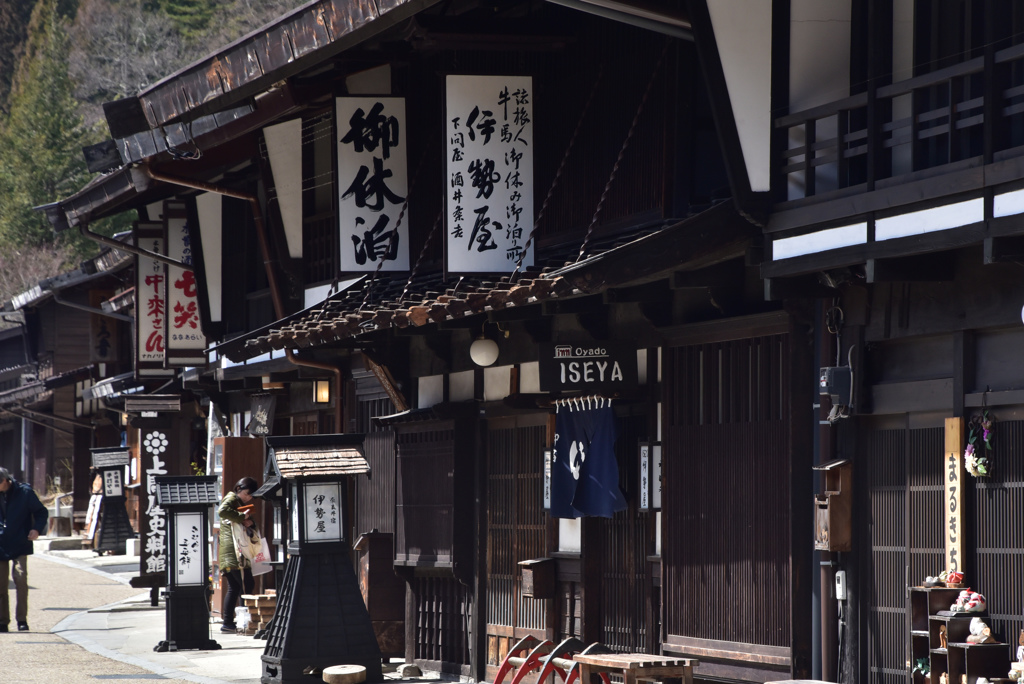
point(605, 366)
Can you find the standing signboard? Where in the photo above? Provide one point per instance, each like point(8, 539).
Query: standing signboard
point(489, 178)
point(372, 184)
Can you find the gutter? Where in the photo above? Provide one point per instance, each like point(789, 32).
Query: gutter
point(268, 265)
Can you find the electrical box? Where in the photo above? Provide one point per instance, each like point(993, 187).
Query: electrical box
point(837, 382)
point(841, 585)
point(833, 508)
point(538, 578)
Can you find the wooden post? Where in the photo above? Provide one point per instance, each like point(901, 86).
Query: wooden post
point(955, 476)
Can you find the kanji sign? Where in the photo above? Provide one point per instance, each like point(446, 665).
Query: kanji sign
point(489, 175)
point(153, 525)
point(150, 302)
point(323, 512)
point(187, 560)
point(185, 338)
point(372, 184)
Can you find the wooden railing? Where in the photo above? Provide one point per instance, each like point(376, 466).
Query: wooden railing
point(968, 113)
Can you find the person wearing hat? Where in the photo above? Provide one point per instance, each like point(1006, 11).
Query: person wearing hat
point(236, 576)
point(22, 519)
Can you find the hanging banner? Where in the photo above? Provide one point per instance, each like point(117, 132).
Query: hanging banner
point(489, 179)
point(373, 184)
point(185, 338)
point(102, 330)
point(262, 408)
point(584, 470)
point(150, 302)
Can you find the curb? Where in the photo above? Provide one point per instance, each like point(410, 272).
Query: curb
point(65, 630)
point(81, 566)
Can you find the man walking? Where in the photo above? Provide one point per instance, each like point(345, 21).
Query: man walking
point(22, 520)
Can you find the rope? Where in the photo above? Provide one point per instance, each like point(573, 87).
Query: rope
point(419, 259)
point(622, 152)
point(558, 173)
point(394, 232)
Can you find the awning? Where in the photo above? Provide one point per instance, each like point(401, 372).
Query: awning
point(317, 455)
point(112, 386)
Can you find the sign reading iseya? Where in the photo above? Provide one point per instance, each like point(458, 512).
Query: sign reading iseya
point(594, 366)
point(372, 180)
point(489, 180)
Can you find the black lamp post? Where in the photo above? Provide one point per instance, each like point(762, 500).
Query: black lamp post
point(115, 528)
point(187, 500)
point(321, 619)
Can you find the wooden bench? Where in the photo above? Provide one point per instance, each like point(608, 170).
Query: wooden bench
point(531, 654)
point(636, 667)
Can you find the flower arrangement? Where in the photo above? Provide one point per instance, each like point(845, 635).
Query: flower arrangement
point(979, 444)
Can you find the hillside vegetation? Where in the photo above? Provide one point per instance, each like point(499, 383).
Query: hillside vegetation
point(60, 60)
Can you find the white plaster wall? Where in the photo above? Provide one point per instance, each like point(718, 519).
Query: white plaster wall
point(284, 148)
point(208, 207)
point(902, 69)
point(431, 391)
point(529, 378)
point(496, 382)
point(460, 386)
point(819, 72)
point(569, 538)
point(743, 34)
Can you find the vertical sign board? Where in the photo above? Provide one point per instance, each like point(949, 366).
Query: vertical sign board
point(112, 483)
point(954, 503)
point(185, 338)
point(102, 330)
point(650, 477)
point(373, 184)
point(153, 520)
point(489, 178)
point(150, 302)
point(187, 563)
point(323, 512)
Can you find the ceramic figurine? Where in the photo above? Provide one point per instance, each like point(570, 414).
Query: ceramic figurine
point(943, 678)
point(980, 633)
point(943, 641)
point(930, 582)
point(954, 579)
point(976, 604)
point(961, 601)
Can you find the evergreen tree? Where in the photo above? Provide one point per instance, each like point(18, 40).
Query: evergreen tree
point(41, 139)
point(190, 17)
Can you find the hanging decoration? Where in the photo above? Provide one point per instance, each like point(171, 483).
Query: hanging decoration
point(979, 444)
point(584, 470)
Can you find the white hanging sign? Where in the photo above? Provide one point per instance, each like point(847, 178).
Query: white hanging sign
point(323, 512)
point(150, 302)
point(489, 179)
point(187, 552)
point(185, 338)
point(372, 184)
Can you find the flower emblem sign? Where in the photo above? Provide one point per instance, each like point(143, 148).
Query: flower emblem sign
point(155, 443)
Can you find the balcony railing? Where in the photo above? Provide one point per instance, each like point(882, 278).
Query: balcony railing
point(968, 114)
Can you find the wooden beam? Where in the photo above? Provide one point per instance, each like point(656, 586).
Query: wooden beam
point(800, 287)
point(725, 274)
point(1000, 249)
point(938, 267)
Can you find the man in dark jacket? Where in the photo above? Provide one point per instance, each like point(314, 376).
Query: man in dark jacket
point(22, 520)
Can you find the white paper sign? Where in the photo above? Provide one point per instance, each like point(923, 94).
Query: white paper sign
point(323, 512)
point(187, 553)
point(372, 184)
point(489, 179)
point(185, 338)
point(112, 483)
point(152, 304)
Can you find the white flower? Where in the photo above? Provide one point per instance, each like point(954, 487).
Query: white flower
point(156, 443)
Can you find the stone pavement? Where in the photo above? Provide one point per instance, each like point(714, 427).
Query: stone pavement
point(87, 624)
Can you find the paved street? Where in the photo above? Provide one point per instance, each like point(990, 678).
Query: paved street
point(89, 625)
point(59, 592)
